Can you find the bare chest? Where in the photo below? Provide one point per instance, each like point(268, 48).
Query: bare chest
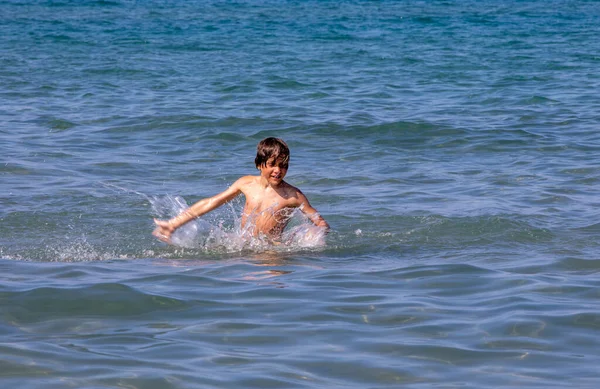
point(261, 200)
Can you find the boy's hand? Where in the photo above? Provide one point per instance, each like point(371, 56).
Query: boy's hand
point(163, 230)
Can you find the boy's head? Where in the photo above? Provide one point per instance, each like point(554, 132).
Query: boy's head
point(271, 148)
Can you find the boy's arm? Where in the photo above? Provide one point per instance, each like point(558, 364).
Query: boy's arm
point(165, 228)
point(312, 213)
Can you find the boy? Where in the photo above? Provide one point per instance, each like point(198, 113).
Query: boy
point(269, 199)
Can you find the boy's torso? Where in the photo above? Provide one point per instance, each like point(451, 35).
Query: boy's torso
point(268, 209)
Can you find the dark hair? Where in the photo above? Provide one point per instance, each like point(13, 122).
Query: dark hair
point(271, 148)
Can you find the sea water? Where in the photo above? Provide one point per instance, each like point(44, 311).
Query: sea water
point(451, 145)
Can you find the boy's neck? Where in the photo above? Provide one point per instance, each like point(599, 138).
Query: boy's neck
point(266, 184)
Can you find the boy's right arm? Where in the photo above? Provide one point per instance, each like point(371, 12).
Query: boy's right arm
point(165, 228)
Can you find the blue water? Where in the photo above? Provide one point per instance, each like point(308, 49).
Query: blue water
point(451, 145)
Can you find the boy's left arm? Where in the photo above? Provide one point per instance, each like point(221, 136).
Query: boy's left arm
point(312, 213)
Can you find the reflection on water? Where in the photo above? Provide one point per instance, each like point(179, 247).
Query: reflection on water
point(267, 275)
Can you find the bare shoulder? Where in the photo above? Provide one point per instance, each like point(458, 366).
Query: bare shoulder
point(294, 193)
point(244, 181)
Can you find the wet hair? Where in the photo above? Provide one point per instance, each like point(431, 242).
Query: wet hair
point(271, 148)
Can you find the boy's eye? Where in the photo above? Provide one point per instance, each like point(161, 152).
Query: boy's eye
point(278, 164)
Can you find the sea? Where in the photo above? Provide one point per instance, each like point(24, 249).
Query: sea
point(452, 145)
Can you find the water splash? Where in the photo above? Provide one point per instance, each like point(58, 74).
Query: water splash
point(221, 230)
point(79, 250)
point(218, 232)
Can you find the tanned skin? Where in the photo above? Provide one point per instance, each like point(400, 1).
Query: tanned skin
point(269, 203)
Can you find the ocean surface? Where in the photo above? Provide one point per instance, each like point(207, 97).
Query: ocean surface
point(452, 145)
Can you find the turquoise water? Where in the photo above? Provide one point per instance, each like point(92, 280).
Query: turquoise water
point(451, 145)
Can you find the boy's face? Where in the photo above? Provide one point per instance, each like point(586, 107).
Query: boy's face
point(274, 171)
